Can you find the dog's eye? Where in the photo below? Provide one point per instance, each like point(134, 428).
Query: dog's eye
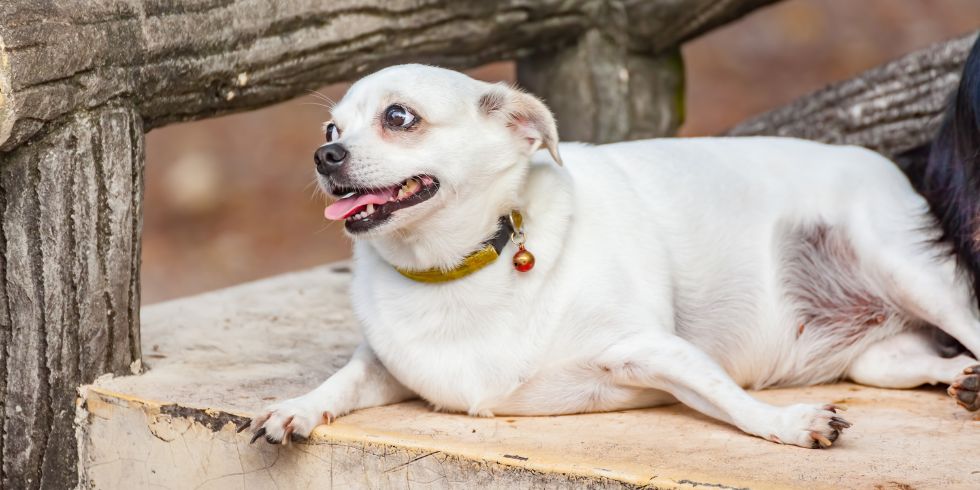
point(332, 132)
point(398, 117)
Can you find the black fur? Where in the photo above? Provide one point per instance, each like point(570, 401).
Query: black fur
point(951, 178)
point(947, 173)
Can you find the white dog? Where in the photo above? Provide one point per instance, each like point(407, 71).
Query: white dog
point(667, 270)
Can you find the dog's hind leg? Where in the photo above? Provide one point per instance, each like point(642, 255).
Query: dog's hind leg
point(669, 363)
point(906, 360)
point(921, 279)
point(926, 285)
point(909, 359)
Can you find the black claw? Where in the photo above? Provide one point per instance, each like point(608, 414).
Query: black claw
point(834, 435)
point(270, 440)
point(259, 433)
point(967, 398)
point(839, 423)
point(244, 425)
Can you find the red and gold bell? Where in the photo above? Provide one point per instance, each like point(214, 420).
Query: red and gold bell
point(523, 260)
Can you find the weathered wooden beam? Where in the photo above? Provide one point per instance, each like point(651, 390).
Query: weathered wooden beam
point(69, 284)
point(656, 26)
point(624, 79)
point(891, 109)
point(186, 59)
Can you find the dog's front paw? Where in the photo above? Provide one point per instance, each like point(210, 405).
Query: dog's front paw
point(282, 421)
point(965, 387)
point(810, 426)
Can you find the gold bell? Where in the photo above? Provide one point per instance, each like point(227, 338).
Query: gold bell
point(523, 260)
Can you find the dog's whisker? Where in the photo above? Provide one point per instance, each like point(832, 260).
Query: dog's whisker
point(317, 191)
point(323, 97)
point(316, 104)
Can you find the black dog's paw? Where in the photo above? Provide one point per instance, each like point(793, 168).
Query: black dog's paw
point(965, 387)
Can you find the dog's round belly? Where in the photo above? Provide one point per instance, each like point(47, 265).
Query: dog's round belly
point(561, 393)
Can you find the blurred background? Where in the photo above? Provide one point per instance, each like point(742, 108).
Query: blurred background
point(232, 199)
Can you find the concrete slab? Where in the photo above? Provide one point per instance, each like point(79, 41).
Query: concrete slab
point(216, 358)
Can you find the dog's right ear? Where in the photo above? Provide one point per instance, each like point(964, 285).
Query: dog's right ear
point(525, 114)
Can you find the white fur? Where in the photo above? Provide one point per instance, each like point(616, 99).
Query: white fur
point(661, 270)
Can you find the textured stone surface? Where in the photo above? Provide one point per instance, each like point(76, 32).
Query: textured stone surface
point(69, 283)
point(890, 109)
point(217, 358)
point(623, 79)
point(601, 93)
point(187, 59)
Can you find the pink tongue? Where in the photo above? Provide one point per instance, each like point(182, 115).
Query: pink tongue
point(344, 208)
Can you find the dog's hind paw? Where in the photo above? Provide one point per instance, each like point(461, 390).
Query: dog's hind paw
point(965, 388)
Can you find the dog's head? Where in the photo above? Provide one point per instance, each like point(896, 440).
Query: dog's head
point(413, 143)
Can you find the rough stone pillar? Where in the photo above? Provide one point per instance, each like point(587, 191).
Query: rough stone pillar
point(70, 221)
point(606, 87)
point(601, 92)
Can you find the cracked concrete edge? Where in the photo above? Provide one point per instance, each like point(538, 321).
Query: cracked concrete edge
point(81, 435)
point(167, 422)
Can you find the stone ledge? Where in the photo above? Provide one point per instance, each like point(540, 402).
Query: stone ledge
point(216, 358)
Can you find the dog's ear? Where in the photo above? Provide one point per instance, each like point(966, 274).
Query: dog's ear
point(525, 114)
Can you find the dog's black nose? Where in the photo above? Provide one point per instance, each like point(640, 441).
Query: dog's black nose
point(329, 158)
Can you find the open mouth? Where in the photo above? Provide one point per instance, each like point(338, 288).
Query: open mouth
point(364, 209)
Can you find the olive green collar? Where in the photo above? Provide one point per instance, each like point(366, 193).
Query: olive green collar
point(489, 251)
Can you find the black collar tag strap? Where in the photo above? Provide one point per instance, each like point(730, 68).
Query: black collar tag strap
point(509, 228)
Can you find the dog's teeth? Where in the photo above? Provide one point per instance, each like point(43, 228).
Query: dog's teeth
point(401, 193)
point(411, 186)
point(370, 209)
